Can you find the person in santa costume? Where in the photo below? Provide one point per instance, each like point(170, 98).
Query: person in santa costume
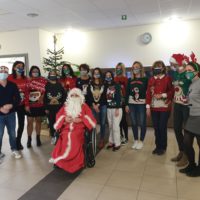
point(72, 120)
point(181, 109)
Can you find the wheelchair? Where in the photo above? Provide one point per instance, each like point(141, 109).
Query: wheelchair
point(90, 148)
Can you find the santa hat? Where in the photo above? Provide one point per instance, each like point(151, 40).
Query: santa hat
point(179, 59)
point(78, 92)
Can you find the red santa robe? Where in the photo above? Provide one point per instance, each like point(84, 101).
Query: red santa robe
point(68, 153)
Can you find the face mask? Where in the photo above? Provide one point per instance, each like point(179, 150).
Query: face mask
point(3, 76)
point(190, 75)
point(118, 71)
point(108, 79)
point(19, 70)
point(84, 73)
point(52, 78)
point(66, 71)
point(157, 71)
point(136, 71)
point(35, 74)
point(97, 76)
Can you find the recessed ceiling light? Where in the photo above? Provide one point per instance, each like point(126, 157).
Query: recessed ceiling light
point(32, 15)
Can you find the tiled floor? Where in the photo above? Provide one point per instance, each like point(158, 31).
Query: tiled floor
point(123, 175)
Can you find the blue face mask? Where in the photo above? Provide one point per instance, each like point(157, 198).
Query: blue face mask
point(108, 79)
point(3, 76)
point(35, 74)
point(189, 75)
point(97, 75)
point(19, 70)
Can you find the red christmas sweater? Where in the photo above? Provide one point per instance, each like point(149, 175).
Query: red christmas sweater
point(68, 83)
point(123, 81)
point(35, 92)
point(160, 85)
point(21, 85)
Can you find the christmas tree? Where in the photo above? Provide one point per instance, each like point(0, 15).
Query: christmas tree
point(54, 61)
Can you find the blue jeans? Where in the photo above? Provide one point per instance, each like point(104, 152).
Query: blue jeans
point(9, 121)
point(102, 119)
point(138, 118)
point(160, 120)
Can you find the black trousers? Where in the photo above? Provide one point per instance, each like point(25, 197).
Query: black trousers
point(124, 125)
point(181, 113)
point(188, 144)
point(21, 118)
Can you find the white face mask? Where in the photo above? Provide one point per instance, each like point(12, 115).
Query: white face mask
point(3, 76)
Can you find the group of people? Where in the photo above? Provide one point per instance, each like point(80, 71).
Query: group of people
point(97, 96)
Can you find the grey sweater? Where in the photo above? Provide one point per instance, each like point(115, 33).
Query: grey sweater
point(194, 98)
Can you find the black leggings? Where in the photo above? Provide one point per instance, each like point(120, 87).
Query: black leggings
point(188, 144)
point(21, 118)
point(123, 124)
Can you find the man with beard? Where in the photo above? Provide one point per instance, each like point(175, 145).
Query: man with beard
point(71, 120)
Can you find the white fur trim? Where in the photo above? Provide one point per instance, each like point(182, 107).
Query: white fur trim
point(58, 121)
point(90, 121)
point(173, 60)
point(68, 146)
point(164, 95)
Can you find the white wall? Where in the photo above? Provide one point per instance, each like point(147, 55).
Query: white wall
point(106, 48)
point(20, 42)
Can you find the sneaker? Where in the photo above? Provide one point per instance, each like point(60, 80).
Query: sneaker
point(135, 144)
point(124, 142)
point(2, 155)
point(139, 145)
point(16, 154)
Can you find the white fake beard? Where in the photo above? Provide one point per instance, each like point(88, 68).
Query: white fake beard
point(74, 107)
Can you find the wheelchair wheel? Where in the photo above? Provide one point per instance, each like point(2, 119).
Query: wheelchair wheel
point(94, 142)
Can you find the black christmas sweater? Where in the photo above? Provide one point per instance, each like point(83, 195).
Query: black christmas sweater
point(136, 91)
point(54, 96)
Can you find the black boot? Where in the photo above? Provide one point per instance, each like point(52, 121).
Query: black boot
point(195, 172)
point(29, 142)
point(188, 169)
point(38, 141)
point(19, 145)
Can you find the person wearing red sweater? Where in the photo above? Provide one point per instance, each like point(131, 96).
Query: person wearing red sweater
point(68, 79)
point(20, 80)
point(122, 80)
point(34, 103)
point(159, 97)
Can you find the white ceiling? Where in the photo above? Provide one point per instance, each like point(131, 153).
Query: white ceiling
point(58, 15)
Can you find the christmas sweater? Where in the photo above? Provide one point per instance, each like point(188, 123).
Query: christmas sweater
point(113, 96)
point(136, 91)
point(35, 92)
point(160, 85)
point(22, 86)
point(54, 95)
point(96, 94)
point(181, 88)
point(83, 85)
point(68, 83)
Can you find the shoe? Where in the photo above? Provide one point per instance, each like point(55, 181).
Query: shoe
point(124, 142)
point(139, 145)
point(155, 151)
point(110, 146)
point(20, 147)
point(29, 142)
point(178, 157)
point(194, 173)
point(160, 152)
point(116, 148)
point(188, 169)
point(101, 144)
point(2, 155)
point(16, 154)
point(135, 144)
point(38, 142)
point(183, 161)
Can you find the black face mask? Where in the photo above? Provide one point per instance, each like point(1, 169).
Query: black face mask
point(52, 78)
point(157, 71)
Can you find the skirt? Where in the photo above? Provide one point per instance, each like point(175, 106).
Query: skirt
point(193, 125)
point(36, 112)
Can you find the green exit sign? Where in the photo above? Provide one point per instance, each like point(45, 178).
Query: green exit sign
point(124, 17)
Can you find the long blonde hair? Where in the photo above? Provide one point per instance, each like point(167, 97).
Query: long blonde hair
point(142, 74)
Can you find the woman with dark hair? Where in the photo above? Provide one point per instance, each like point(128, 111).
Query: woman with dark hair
point(20, 80)
point(54, 98)
point(136, 103)
point(83, 82)
point(68, 79)
point(114, 110)
point(159, 97)
point(97, 101)
point(192, 130)
point(34, 104)
point(122, 80)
